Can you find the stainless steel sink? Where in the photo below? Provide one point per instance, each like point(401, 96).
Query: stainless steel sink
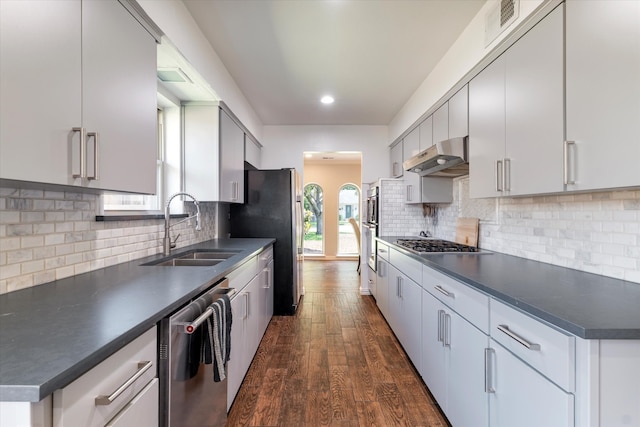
point(190, 262)
point(208, 255)
point(196, 258)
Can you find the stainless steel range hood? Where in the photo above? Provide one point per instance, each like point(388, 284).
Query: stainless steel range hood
point(449, 158)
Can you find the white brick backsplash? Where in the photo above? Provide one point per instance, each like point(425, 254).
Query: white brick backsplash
point(50, 235)
point(594, 232)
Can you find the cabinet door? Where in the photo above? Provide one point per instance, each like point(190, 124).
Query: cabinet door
point(459, 113)
point(237, 358)
point(441, 124)
point(412, 187)
point(382, 287)
point(119, 98)
point(252, 152)
point(411, 144)
point(486, 130)
point(603, 93)
point(434, 360)
point(467, 404)
point(39, 108)
point(426, 133)
point(396, 160)
point(410, 316)
point(231, 160)
point(524, 398)
point(534, 109)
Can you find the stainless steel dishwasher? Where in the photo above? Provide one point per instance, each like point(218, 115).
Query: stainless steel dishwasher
point(189, 396)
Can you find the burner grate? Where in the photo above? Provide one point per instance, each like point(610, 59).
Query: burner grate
point(434, 245)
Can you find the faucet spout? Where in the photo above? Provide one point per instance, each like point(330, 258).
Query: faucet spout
point(167, 243)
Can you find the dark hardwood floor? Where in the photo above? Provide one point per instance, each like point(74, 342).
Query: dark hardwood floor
point(335, 363)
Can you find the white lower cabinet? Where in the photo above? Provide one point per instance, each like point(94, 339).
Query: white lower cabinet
point(453, 363)
point(520, 396)
point(405, 313)
point(141, 411)
point(91, 401)
point(251, 314)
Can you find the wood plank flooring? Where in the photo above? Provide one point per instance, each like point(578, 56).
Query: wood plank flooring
point(335, 363)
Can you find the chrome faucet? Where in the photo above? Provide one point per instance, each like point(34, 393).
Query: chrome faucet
point(167, 243)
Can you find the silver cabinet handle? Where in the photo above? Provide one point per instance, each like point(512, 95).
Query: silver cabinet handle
point(499, 176)
point(488, 371)
point(440, 323)
point(82, 172)
point(409, 193)
point(382, 251)
point(96, 144)
point(444, 291)
point(393, 169)
point(401, 282)
point(108, 400)
point(507, 174)
point(565, 152)
point(447, 330)
point(505, 329)
point(246, 305)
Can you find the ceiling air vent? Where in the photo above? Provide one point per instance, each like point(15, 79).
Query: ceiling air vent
point(500, 16)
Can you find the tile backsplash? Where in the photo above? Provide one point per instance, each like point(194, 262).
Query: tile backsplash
point(595, 232)
point(49, 235)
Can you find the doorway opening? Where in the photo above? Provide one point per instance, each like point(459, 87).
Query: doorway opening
point(348, 207)
point(338, 175)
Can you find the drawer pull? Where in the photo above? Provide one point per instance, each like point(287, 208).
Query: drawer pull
point(108, 400)
point(505, 329)
point(444, 291)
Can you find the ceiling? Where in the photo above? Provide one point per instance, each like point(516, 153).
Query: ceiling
point(370, 55)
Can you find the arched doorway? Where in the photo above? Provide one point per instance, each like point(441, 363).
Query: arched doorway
point(348, 207)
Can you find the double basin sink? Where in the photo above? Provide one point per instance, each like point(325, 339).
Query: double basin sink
point(196, 258)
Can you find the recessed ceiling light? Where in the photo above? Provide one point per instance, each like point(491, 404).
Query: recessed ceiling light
point(327, 99)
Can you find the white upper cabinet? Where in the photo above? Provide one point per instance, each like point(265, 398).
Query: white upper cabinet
point(486, 130)
point(231, 160)
point(99, 78)
point(516, 116)
point(214, 154)
point(459, 113)
point(252, 151)
point(396, 160)
point(426, 133)
point(411, 144)
point(441, 123)
point(603, 94)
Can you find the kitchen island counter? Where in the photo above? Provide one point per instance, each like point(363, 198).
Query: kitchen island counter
point(53, 333)
point(587, 305)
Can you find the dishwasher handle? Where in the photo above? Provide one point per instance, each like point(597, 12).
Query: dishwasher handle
point(190, 328)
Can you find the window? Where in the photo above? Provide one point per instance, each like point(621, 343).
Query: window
point(140, 202)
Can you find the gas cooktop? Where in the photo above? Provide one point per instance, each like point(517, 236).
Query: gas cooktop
point(422, 246)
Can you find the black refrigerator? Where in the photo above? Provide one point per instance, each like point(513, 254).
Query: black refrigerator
point(273, 208)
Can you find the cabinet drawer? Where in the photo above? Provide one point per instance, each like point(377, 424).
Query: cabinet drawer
point(383, 251)
point(467, 302)
point(141, 411)
point(407, 265)
point(75, 404)
point(265, 258)
point(241, 276)
point(546, 349)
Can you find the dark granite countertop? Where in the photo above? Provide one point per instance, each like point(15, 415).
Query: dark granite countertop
point(587, 305)
point(53, 333)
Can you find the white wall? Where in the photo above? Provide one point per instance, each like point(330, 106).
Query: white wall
point(178, 25)
point(284, 146)
point(467, 51)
